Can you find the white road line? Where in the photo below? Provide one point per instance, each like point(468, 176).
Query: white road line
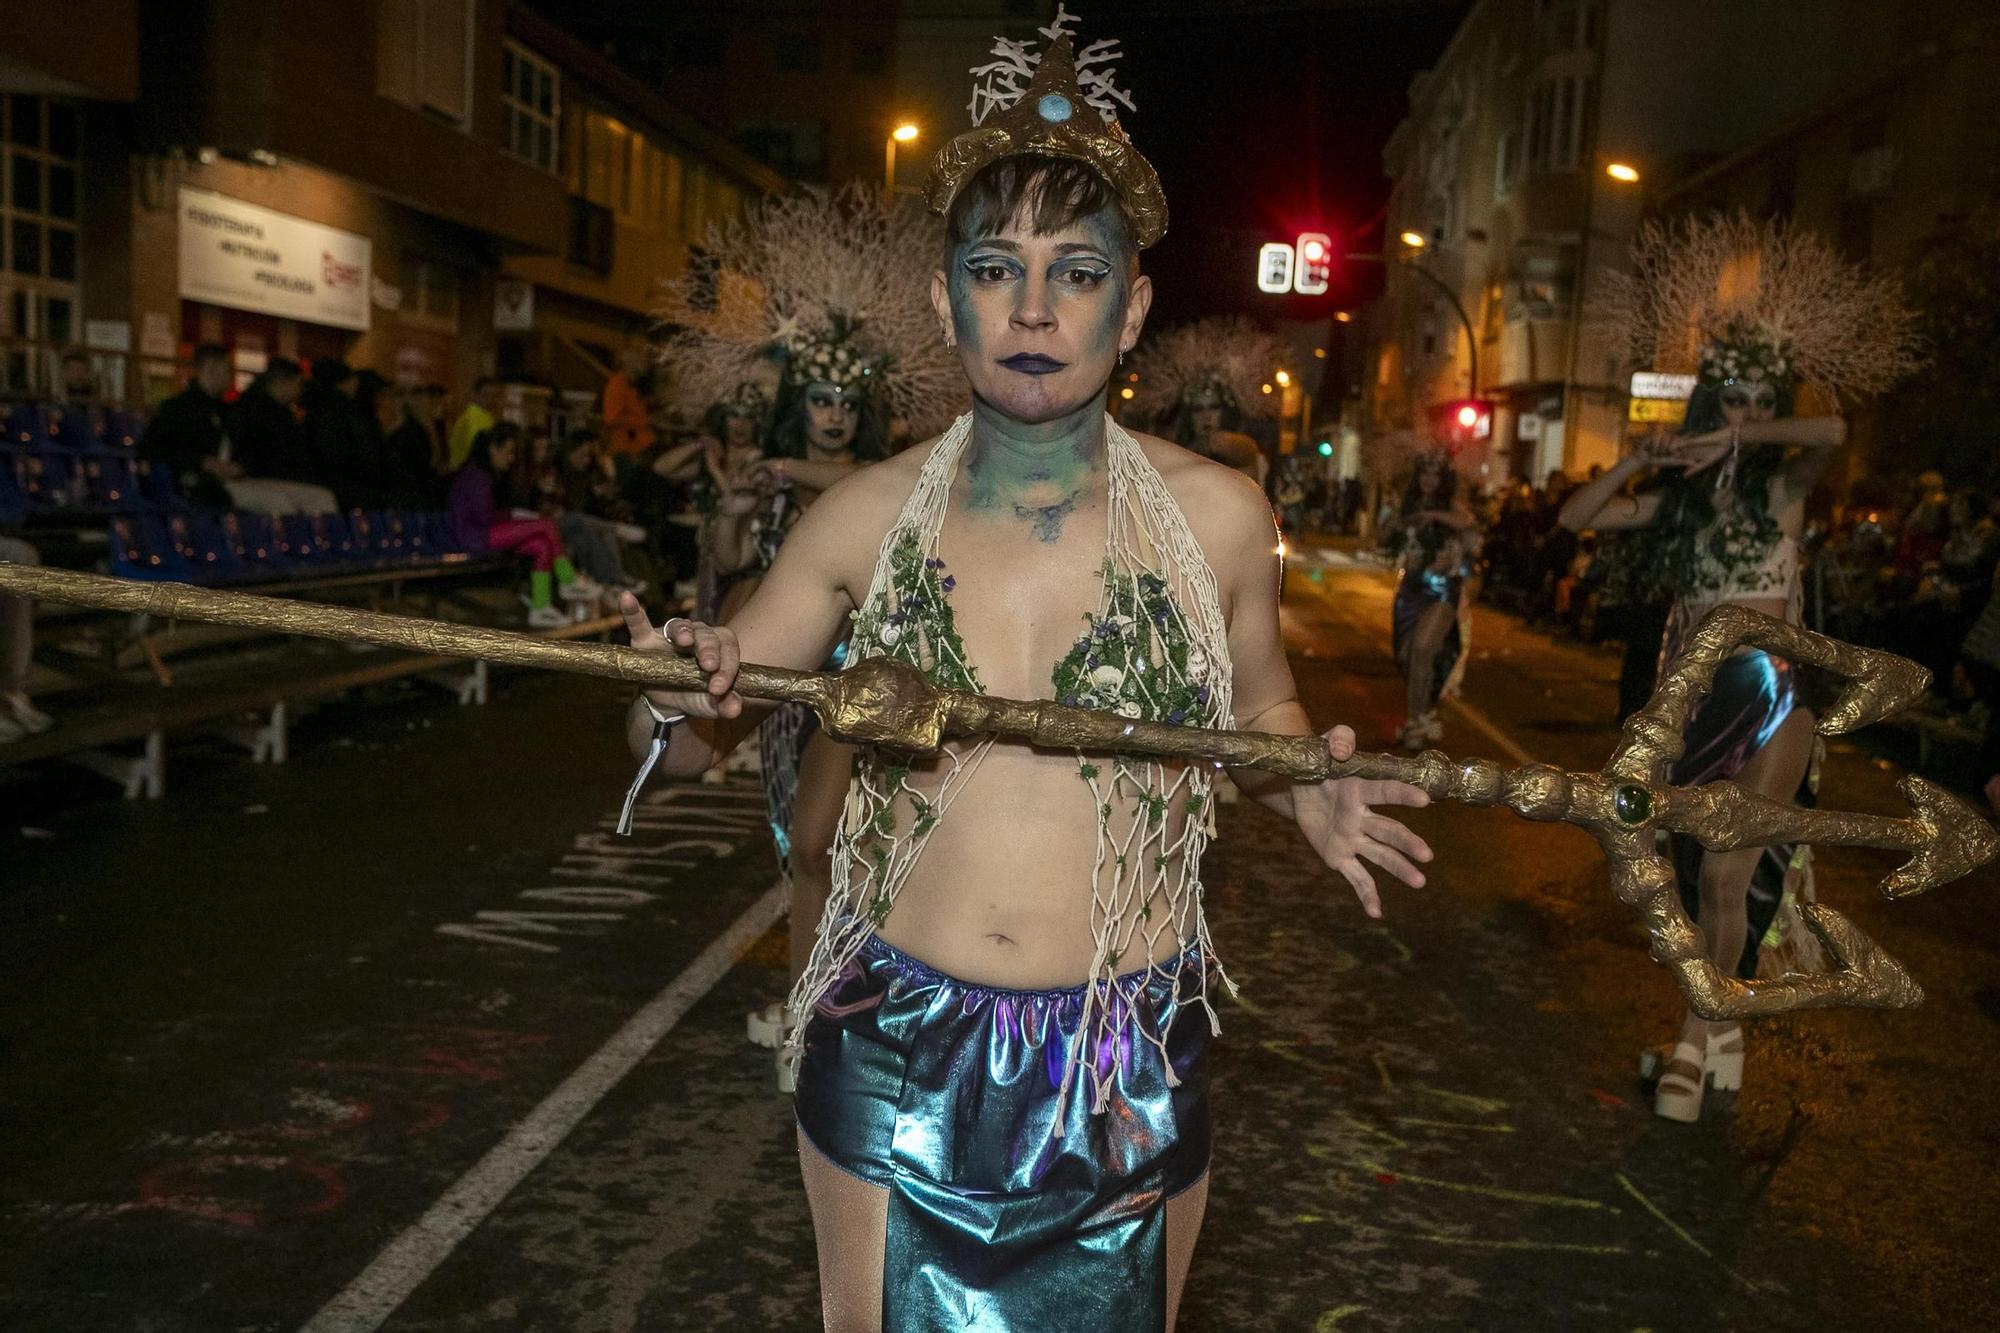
point(366, 1302)
point(1493, 732)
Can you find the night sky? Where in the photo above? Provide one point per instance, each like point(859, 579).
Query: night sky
point(1264, 118)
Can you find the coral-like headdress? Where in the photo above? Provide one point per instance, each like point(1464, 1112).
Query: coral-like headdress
point(815, 286)
point(1229, 356)
point(1734, 299)
point(1025, 103)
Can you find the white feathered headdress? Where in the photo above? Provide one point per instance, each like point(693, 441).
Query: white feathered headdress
point(1731, 298)
point(816, 286)
point(1229, 354)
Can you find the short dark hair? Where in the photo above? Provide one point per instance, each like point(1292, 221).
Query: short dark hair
point(282, 368)
point(208, 352)
point(1044, 194)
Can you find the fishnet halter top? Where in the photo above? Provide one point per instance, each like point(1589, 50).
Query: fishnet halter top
point(1155, 648)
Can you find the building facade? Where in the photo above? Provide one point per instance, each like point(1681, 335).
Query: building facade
point(1501, 189)
point(433, 189)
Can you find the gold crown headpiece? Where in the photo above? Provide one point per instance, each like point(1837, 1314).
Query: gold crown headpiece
point(1026, 104)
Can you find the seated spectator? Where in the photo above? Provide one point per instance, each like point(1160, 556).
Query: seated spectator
point(476, 419)
point(398, 447)
point(479, 523)
point(185, 434)
point(266, 440)
point(18, 717)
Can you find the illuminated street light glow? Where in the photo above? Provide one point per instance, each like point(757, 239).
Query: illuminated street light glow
point(1414, 239)
point(1284, 377)
point(1267, 388)
point(905, 132)
point(1468, 416)
point(1125, 393)
point(1344, 316)
point(1619, 171)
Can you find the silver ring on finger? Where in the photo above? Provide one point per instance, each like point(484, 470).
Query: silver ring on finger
point(667, 628)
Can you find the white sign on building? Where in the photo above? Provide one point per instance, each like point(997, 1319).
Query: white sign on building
point(250, 258)
point(1652, 384)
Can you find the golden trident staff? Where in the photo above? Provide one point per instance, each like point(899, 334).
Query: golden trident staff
point(881, 702)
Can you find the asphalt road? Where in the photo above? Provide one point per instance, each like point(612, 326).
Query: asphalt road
point(398, 1035)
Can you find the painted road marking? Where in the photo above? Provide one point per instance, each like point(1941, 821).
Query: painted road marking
point(368, 1301)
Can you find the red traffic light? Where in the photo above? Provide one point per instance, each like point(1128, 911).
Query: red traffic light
point(1313, 273)
point(1464, 421)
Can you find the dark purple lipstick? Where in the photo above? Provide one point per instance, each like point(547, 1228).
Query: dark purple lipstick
point(1034, 363)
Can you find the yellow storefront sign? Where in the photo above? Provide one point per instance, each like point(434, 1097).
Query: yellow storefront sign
point(1667, 411)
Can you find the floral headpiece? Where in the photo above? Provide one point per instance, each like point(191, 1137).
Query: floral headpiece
point(816, 286)
point(1738, 299)
point(1026, 103)
point(1229, 356)
point(1743, 355)
point(836, 356)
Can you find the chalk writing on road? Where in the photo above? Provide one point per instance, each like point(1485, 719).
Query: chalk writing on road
point(677, 830)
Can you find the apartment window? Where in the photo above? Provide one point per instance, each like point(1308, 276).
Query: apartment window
point(1506, 163)
point(38, 247)
point(431, 294)
point(532, 95)
point(796, 148)
point(590, 235)
point(1567, 25)
point(1557, 122)
point(423, 56)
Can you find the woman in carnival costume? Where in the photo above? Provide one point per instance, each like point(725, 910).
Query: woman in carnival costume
point(1434, 540)
point(1013, 1132)
point(1200, 381)
point(825, 295)
point(1770, 309)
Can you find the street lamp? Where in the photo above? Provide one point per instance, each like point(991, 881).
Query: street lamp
point(1283, 377)
point(903, 133)
point(1621, 171)
point(1414, 239)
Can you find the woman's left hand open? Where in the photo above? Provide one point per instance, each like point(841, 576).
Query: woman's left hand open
point(1339, 818)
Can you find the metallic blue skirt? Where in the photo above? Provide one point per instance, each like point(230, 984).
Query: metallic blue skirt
point(1753, 694)
point(945, 1094)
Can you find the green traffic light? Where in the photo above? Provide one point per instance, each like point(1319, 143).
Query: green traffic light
point(1326, 449)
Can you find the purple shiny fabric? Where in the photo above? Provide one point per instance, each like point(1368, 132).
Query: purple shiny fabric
point(1001, 1217)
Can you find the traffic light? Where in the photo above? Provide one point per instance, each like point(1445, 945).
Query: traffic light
point(1274, 268)
point(1312, 272)
point(1326, 448)
point(1464, 421)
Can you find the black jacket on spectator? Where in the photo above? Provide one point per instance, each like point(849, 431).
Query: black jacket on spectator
point(337, 434)
point(266, 438)
point(186, 429)
point(409, 457)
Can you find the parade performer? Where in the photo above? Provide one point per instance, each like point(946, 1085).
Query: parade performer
point(1769, 309)
point(825, 294)
point(1003, 1097)
point(1434, 541)
point(1201, 381)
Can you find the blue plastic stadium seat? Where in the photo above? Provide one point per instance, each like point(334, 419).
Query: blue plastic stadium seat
point(158, 487)
point(49, 477)
point(28, 424)
point(76, 431)
point(111, 481)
